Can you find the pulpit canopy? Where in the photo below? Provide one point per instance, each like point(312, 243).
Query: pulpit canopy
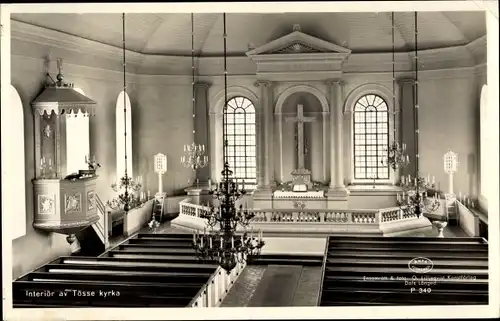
point(62, 99)
point(59, 97)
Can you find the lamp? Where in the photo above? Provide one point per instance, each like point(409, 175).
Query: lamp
point(194, 157)
point(415, 199)
point(396, 157)
point(220, 243)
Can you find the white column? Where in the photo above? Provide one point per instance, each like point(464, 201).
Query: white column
point(336, 159)
point(324, 117)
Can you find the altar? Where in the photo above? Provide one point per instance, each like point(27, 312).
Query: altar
point(301, 192)
point(291, 199)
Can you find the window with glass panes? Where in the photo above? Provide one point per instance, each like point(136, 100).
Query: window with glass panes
point(240, 136)
point(371, 138)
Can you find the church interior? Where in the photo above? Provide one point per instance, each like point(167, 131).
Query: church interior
point(247, 159)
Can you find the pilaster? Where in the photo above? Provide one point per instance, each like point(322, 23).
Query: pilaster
point(407, 125)
point(202, 126)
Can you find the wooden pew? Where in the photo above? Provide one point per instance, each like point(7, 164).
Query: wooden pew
point(376, 271)
point(141, 280)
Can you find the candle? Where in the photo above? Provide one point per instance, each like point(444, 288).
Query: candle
point(201, 241)
point(221, 242)
point(149, 195)
point(50, 161)
point(194, 238)
point(232, 242)
point(433, 180)
point(209, 183)
point(210, 239)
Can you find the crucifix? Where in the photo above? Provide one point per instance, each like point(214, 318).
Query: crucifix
point(300, 119)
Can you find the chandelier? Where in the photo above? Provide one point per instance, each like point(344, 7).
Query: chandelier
point(127, 199)
point(194, 157)
point(415, 198)
point(221, 243)
point(396, 157)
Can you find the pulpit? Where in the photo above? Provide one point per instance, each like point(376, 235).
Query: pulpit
point(63, 203)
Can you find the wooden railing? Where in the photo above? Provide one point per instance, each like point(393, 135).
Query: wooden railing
point(101, 226)
point(216, 288)
point(304, 216)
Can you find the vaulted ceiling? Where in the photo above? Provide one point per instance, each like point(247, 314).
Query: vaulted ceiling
point(170, 34)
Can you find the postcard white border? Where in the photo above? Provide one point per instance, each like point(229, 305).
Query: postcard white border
point(491, 9)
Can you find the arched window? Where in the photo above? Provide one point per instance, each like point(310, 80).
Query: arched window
point(483, 140)
point(240, 136)
point(13, 163)
point(120, 138)
point(371, 138)
point(78, 140)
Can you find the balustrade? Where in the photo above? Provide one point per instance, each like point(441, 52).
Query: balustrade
point(309, 216)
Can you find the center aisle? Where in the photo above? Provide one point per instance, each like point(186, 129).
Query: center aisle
point(275, 286)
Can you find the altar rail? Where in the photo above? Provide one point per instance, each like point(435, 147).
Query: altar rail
point(341, 216)
point(216, 288)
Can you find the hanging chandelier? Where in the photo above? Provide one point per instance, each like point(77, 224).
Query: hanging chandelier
point(415, 197)
point(221, 242)
point(127, 187)
point(194, 157)
point(396, 157)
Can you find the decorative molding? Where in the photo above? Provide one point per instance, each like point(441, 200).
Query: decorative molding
point(364, 89)
point(91, 201)
point(301, 88)
point(46, 204)
point(59, 225)
point(261, 82)
point(464, 56)
point(202, 85)
point(217, 101)
point(30, 33)
point(297, 37)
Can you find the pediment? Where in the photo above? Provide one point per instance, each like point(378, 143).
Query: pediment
point(298, 42)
